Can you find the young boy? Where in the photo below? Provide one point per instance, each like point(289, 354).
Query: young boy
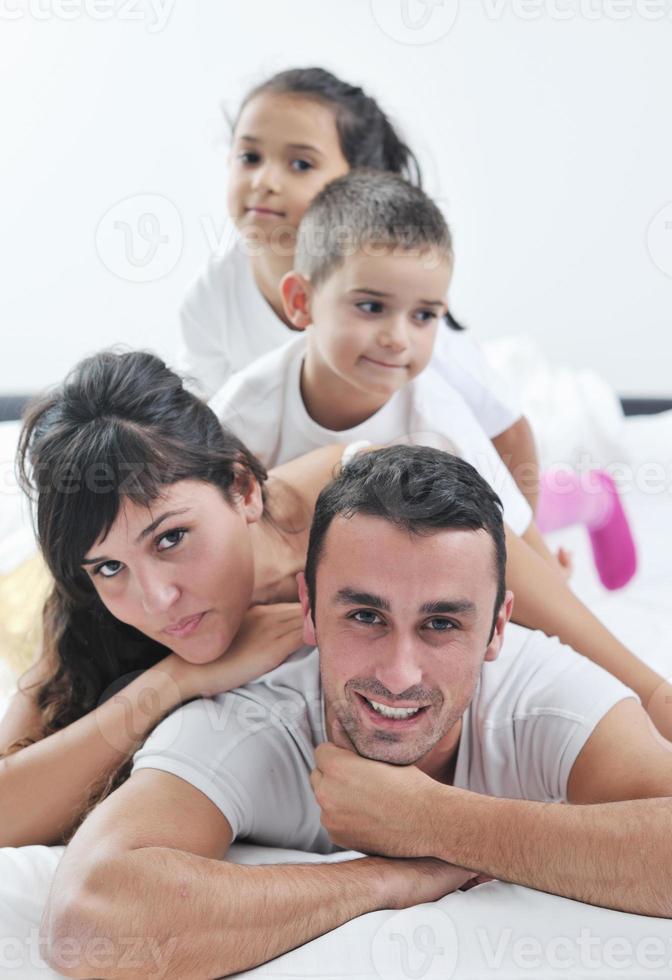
point(373, 264)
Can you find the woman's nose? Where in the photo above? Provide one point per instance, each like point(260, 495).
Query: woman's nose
point(158, 593)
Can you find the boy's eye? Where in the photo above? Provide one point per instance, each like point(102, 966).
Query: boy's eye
point(366, 616)
point(172, 538)
point(249, 157)
point(301, 165)
point(370, 306)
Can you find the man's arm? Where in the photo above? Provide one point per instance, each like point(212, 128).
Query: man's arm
point(614, 851)
point(142, 891)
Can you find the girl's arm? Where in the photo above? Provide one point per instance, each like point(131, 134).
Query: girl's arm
point(517, 449)
point(45, 787)
point(544, 602)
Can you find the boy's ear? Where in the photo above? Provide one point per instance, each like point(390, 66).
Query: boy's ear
point(295, 292)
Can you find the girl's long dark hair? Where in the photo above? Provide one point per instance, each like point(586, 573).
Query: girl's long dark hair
point(121, 427)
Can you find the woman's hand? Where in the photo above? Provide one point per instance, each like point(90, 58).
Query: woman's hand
point(267, 636)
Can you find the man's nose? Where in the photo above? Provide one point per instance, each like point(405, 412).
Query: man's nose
point(399, 666)
point(158, 590)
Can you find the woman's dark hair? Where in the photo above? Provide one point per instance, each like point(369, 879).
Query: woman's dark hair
point(367, 137)
point(416, 488)
point(120, 427)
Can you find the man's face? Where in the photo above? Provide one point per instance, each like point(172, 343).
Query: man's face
point(403, 624)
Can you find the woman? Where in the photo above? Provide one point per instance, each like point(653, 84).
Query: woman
point(174, 558)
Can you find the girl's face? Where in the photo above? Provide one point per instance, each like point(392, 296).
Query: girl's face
point(285, 150)
point(180, 570)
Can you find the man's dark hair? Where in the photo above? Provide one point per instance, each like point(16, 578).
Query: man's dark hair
point(416, 488)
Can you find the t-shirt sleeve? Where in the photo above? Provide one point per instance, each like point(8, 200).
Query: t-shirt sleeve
point(558, 698)
point(239, 755)
point(202, 356)
point(462, 363)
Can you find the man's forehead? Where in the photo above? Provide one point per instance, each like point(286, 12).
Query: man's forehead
point(362, 531)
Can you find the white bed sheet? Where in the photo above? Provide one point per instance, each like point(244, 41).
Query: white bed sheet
point(495, 930)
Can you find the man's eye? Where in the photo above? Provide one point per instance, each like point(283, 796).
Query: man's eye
point(301, 165)
point(172, 538)
point(370, 306)
point(113, 567)
point(366, 616)
point(441, 625)
point(249, 157)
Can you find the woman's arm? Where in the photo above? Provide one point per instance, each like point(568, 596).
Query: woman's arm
point(45, 787)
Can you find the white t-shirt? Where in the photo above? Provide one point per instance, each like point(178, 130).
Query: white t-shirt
point(225, 323)
point(263, 406)
point(251, 751)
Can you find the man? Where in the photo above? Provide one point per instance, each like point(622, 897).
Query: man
point(448, 746)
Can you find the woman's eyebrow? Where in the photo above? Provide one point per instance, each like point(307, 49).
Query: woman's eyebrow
point(143, 534)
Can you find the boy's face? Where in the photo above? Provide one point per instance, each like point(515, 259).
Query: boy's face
point(375, 318)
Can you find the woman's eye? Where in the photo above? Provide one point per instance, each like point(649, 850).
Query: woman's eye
point(370, 306)
point(301, 165)
point(113, 567)
point(366, 616)
point(172, 538)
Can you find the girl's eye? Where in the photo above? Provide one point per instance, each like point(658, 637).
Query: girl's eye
point(424, 316)
point(368, 617)
point(172, 538)
point(113, 567)
point(249, 157)
point(301, 165)
point(370, 306)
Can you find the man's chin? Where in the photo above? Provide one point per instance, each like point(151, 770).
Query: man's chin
point(392, 753)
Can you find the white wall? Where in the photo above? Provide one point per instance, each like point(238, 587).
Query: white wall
point(544, 127)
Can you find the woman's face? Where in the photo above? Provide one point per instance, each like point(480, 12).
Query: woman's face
point(285, 150)
point(181, 570)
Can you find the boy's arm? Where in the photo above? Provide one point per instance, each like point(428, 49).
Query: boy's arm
point(615, 852)
point(517, 449)
point(142, 891)
point(544, 602)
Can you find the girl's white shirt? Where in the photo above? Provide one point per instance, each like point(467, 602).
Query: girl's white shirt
point(225, 324)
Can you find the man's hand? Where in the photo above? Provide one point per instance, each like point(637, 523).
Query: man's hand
point(371, 806)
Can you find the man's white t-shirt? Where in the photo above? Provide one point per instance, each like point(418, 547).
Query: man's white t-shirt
point(251, 751)
point(263, 406)
point(225, 324)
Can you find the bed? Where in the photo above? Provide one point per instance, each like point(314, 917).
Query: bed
point(496, 929)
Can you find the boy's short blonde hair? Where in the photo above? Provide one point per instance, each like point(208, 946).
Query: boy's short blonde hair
point(369, 211)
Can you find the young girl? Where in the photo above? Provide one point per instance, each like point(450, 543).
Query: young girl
point(174, 557)
point(294, 134)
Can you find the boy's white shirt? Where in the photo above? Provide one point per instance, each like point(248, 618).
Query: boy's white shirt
point(263, 406)
point(225, 324)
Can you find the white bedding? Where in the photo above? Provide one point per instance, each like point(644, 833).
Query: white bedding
point(496, 929)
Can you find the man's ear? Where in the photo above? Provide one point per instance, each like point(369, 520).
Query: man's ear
point(309, 637)
point(296, 291)
point(503, 616)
